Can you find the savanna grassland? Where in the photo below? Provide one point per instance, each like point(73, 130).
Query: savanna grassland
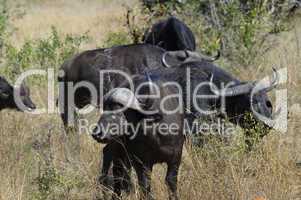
point(37, 159)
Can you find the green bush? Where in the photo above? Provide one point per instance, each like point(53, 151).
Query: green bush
point(238, 28)
point(42, 53)
point(255, 131)
point(45, 182)
point(3, 24)
point(52, 51)
point(115, 39)
point(54, 185)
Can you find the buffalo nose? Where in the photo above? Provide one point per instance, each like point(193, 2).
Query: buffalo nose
point(96, 134)
point(98, 138)
point(29, 104)
point(33, 106)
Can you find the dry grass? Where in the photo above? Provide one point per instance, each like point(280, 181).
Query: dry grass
point(97, 17)
point(31, 144)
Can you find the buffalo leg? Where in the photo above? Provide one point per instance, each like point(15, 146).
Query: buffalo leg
point(118, 174)
point(171, 180)
point(108, 154)
point(67, 111)
point(126, 180)
point(106, 164)
point(144, 180)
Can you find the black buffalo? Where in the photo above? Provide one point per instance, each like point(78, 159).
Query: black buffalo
point(172, 35)
point(144, 143)
point(238, 97)
point(131, 59)
point(7, 99)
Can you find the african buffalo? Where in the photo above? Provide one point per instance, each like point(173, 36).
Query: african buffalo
point(171, 34)
point(231, 102)
point(130, 59)
point(143, 142)
point(7, 96)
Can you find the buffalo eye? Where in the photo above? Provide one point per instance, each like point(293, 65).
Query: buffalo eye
point(269, 104)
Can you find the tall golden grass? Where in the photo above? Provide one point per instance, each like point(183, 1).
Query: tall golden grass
point(96, 17)
point(31, 145)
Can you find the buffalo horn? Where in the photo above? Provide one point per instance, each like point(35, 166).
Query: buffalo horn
point(183, 55)
point(246, 87)
point(273, 83)
point(123, 96)
point(233, 91)
point(204, 57)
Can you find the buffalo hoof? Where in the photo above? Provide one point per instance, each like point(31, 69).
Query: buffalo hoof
point(127, 186)
point(106, 182)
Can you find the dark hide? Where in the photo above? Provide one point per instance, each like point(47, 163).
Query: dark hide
point(148, 147)
point(172, 35)
point(7, 96)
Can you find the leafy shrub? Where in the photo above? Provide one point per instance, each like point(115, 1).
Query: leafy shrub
point(52, 51)
point(43, 53)
point(139, 20)
point(136, 23)
point(254, 132)
point(18, 60)
point(45, 183)
point(238, 28)
point(3, 24)
point(53, 185)
point(115, 39)
point(241, 26)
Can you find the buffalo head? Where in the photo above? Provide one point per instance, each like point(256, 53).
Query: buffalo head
point(111, 124)
point(7, 99)
point(250, 97)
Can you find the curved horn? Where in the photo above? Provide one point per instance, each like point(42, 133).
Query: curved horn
point(164, 60)
point(266, 86)
point(233, 91)
point(245, 88)
point(273, 83)
point(204, 57)
point(123, 96)
point(180, 55)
